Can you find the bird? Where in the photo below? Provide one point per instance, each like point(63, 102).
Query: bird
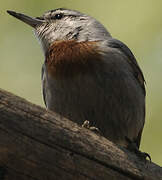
point(90, 75)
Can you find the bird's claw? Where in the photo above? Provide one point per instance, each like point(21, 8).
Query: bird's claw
point(143, 155)
point(133, 148)
point(86, 124)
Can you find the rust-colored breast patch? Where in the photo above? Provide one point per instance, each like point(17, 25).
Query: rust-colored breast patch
point(68, 58)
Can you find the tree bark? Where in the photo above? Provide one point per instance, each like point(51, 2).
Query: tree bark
point(36, 144)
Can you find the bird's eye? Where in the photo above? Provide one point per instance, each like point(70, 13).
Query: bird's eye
point(57, 16)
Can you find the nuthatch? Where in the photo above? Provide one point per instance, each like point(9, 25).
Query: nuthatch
point(89, 75)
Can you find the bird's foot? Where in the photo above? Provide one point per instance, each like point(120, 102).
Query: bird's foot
point(133, 148)
point(86, 124)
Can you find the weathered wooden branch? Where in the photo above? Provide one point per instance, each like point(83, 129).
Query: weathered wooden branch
point(39, 145)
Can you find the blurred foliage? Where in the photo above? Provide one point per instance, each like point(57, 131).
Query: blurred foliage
point(137, 23)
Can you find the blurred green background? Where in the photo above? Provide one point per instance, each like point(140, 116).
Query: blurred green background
point(137, 23)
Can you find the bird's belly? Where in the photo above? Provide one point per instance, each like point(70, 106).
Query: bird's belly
point(114, 108)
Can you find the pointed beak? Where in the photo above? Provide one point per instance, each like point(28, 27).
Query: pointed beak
point(34, 22)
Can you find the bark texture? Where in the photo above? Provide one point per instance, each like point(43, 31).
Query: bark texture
point(36, 144)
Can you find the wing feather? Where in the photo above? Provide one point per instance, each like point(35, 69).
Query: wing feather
point(114, 43)
point(43, 84)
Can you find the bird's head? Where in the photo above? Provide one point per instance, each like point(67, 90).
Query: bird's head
point(62, 25)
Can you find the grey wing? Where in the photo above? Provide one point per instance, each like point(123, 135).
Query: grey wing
point(43, 84)
point(114, 43)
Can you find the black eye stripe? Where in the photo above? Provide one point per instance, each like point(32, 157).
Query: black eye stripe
point(41, 18)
